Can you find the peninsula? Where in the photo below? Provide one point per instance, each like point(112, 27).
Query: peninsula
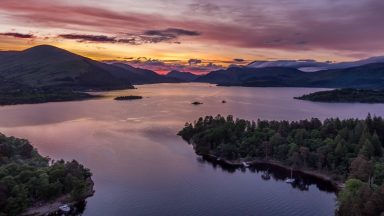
point(349, 151)
point(345, 96)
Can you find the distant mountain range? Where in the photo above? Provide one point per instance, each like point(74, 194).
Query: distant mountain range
point(312, 65)
point(51, 67)
point(369, 76)
point(183, 76)
point(141, 76)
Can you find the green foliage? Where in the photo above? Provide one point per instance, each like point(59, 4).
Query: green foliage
point(346, 96)
point(359, 199)
point(344, 149)
point(26, 177)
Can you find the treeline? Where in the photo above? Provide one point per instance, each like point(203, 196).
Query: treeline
point(343, 149)
point(34, 96)
point(346, 96)
point(27, 178)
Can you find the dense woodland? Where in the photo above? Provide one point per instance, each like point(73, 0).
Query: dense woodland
point(350, 150)
point(40, 96)
point(27, 178)
point(346, 96)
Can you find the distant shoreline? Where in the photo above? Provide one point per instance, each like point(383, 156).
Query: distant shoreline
point(42, 96)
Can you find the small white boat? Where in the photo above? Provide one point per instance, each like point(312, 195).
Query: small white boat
point(266, 175)
point(290, 180)
point(65, 208)
point(245, 164)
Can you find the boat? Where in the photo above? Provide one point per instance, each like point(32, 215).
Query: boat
point(290, 180)
point(245, 164)
point(266, 175)
point(65, 208)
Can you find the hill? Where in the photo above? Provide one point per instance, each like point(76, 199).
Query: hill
point(47, 66)
point(183, 76)
point(370, 76)
point(244, 76)
point(140, 76)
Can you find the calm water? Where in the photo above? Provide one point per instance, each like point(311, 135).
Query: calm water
point(142, 168)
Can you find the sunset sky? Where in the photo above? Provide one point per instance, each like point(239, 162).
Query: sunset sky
point(197, 35)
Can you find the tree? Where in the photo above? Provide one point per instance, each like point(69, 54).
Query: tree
point(378, 149)
point(368, 149)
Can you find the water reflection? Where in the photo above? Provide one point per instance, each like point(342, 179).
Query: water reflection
point(270, 172)
point(141, 167)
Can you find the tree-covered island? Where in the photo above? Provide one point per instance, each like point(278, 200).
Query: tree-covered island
point(28, 180)
point(129, 97)
point(349, 151)
point(345, 96)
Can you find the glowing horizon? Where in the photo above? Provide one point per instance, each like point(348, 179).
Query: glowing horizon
point(197, 35)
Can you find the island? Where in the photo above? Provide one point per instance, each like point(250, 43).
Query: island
point(31, 184)
point(346, 96)
point(349, 153)
point(130, 97)
point(196, 103)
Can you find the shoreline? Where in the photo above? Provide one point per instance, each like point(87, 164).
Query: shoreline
point(313, 173)
point(51, 207)
point(33, 101)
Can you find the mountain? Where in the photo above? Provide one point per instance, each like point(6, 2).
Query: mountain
point(183, 76)
point(141, 76)
point(272, 76)
point(48, 66)
point(369, 76)
point(312, 65)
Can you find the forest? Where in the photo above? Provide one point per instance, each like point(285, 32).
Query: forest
point(36, 96)
point(349, 151)
point(346, 96)
point(26, 177)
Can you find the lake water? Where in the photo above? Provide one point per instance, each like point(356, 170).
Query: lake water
point(141, 167)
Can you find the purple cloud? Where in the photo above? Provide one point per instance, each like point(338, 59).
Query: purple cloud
point(18, 35)
point(194, 61)
point(165, 66)
point(150, 36)
point(341, 26)
point(89, 38)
